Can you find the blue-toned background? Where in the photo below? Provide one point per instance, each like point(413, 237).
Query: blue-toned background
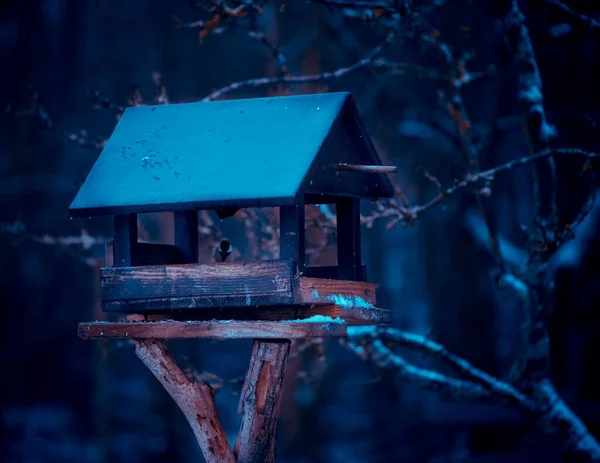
point(67, 400)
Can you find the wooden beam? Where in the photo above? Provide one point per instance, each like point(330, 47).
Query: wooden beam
point(149, 254)
point(186, 235)
point(195, 400)
point(122, 293)
point(260, 401)
point(125, 239)
point(366, 169)
point(220, 280)
point(348, 239)
point(351, 315)
point(292, 234)
point(170, 329)
point(205, 303)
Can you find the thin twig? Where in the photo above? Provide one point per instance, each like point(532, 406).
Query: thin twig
point(303, 79)
point(409, 214)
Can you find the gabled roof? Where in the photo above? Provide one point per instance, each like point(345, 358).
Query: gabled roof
point(231, 154)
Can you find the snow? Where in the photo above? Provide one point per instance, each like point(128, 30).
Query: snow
point(346, 301)
point(316, 319)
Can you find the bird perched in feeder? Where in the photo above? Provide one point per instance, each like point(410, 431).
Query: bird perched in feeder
point(223, 251)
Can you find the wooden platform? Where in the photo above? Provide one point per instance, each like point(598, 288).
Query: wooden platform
point(160, 288)
point(169, 329)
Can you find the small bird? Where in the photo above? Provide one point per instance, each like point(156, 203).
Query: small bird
point(223, 251)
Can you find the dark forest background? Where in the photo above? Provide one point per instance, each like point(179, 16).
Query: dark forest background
point(68, 400)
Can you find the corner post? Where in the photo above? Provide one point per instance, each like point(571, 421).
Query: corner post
point(186, 235)
point(125, 240)
point(292, 234)
point(348, 239)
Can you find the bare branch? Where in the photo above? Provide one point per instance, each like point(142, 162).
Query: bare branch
point(195, 399)
point(530, 82)
point(585, 21)
point(303, 79)
point(499, 390)
point(474, 181)
point(428, 379)
point(555, 416)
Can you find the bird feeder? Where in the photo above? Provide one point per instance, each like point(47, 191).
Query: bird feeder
point(284, 152)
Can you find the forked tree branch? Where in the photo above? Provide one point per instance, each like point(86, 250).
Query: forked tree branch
point(541, 403)
point(195, 400)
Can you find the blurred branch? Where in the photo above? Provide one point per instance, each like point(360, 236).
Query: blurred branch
point(530, 96)
point(586, 21)
point(71, 245)
point(475, 379)
point(512, 255)
point(430, 380)
point(530, 92)
point(478, 181)
point(541, 403)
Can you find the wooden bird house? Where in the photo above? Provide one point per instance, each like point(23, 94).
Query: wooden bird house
point(284, 152)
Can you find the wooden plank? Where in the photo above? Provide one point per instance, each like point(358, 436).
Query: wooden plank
point(149, 254)
point(260, 400)
point(169, 329)
point(305, 291)
point(125, 239)
point(325, 291)
point(222, 279)
point(292, 244)
point(351, 315)
point(219, 302)
point(186, 235)
point(348, 239)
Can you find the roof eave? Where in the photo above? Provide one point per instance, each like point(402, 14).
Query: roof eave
point(172, 207)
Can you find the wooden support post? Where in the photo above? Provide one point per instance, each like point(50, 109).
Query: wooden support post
point(260, 400)
point(186, 235)
point(292, 234)
point(125, 239)
point(348, 239)
point(195, 400)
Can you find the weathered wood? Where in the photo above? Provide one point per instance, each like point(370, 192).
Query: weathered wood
point(247, 279)
point(220, 303)
point(292, 242)
point(195, 400)
point(186, 235)
point(125, 239)
point(149, 254)
point(303, 291)
point(348, 239)
point(170, 329)
point(351, 315)
point(328, 272)
point(325, 291)
point(260, 400)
